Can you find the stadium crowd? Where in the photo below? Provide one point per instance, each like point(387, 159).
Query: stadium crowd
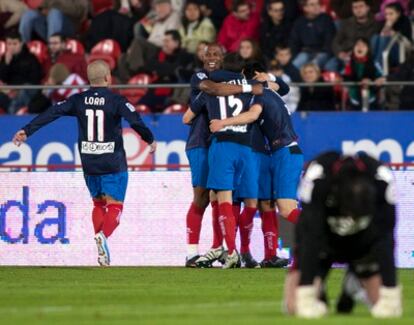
point(50, 42)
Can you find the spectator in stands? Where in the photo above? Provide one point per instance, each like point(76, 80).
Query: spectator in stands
point(11, 12)
point(405, 5)
point(241, 23)
point(342, 8)
point(275, 28)
point(215, 10)
point(110, 24)
point(154, 28)
point(195, 27)
point(163, 67)
point(53, 16)
point(184, 73)
point(18, 67)
point(59, 74)
point(315, 98)
point(402, 99)
point(249, 50)
point(136, 9)
point(76, 63)
point(396, 23)
point(362, 68)
point(293, 97)
point(283, 57)
point(311, 36)
point(361, 24)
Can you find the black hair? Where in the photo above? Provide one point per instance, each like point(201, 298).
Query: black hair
point(251, 67)
point(175, 35)
point(353, 188)
point(238, 3)
point(13, 34)
point(367, 2)
point(185, 21)
point(233, 62)
point(62, 37)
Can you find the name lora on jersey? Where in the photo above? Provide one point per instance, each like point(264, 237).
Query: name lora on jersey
point(96, 101)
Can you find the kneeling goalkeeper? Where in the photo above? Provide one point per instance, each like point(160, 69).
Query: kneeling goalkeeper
point(348, 217)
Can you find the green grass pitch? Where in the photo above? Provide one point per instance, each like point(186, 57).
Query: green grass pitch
point(162, 296)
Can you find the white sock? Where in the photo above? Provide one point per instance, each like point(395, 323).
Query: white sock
point(192, 250)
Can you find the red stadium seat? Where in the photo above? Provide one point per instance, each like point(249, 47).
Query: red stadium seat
point(2, 48)
point(2, 111)
point(39, 49)
point(107, 58)
point(75, 46)
point(23, 111)
point(143, 109)
point(108, 47)
point(33, 4)
point(135, 94)
point(99, 6)
point(176, 109)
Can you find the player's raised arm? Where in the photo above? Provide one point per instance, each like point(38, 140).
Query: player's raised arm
point(66, 107)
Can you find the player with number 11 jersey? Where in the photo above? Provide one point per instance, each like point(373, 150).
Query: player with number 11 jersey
point(99, 113)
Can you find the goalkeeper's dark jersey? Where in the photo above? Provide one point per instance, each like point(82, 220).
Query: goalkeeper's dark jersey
point(99, 113)
point(323, 233)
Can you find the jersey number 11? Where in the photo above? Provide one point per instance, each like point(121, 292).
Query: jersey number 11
point(99, 114)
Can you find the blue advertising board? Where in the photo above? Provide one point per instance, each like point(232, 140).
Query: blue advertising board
point(385, 135)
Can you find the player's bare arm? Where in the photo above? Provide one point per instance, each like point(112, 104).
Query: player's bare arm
point(19, 137)
point(245, 118)
point(188, 116)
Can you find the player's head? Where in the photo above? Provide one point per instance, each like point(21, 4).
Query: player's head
point(353, 189)
point(213, 57)
point(99, 73)
point(233, 62)
point(251, 67)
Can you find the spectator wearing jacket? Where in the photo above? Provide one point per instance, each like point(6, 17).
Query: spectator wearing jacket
point(75, 63)
point(311, 36)
point(195, 28)
point(283, 58)
point(362, 68)
point(241, 23)
point(361, 24)
point(18, 67)
point(315, 98)
point(275, 28)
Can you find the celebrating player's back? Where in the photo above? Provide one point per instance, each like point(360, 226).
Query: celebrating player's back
point(99, 113)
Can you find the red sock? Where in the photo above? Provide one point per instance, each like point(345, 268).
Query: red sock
point(270, 233)
point(236, 207)
point(194, 218)
point(228, 225)
point(112, 217)
point(217, 235)
point(246, 226)
point(293, 216)
point(98, 214)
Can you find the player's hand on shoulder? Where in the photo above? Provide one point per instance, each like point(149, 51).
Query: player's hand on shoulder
point(273, 85)
point(153, 146)
point(19, 137)
point(261, 76)
point(216, 125)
